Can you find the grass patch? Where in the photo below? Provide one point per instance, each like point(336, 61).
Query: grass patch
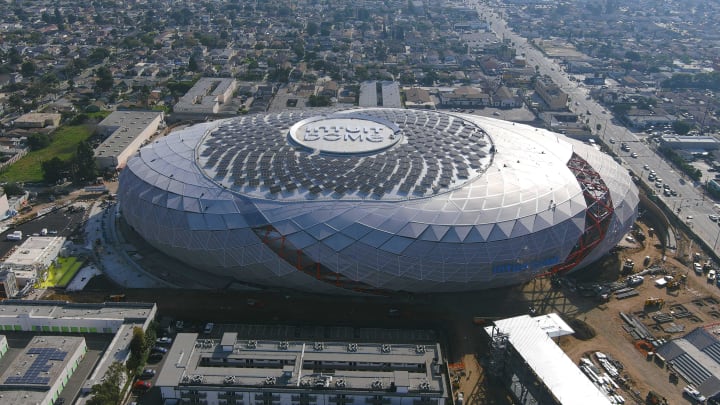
point(60, 274)
point(64, 145)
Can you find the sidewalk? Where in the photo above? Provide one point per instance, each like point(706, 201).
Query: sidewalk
point(112, 258)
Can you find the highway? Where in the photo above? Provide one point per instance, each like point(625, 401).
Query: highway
point(695, 207)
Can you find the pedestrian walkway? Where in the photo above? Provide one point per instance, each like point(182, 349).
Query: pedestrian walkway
point(112, 258)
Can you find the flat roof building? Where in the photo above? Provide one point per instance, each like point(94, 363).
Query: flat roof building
point(38, 120)
point(205, 97)
point(125, 132)
point(38, 374)
point(692, 143)
point(292, 371)
point(465, 96)
point(552, 95)
point(62, 318)
point(368, 94)
point(391, 95)
point(33, 256)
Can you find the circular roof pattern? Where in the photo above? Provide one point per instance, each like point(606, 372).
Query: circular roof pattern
point(382, 154)
point(535, 200)
point(345, 134)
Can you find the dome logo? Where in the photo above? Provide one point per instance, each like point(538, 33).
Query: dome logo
point(345, 134)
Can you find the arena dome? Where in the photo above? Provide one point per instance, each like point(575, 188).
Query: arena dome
point(376, 200)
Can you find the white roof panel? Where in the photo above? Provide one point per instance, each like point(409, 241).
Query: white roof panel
point(529, 336)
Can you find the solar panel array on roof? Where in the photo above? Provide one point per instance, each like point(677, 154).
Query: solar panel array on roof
point(43, 356)
point(253, 155)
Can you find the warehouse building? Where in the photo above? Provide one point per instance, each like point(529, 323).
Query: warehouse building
point(124, 133)
point(53, 322)
point(39, 373)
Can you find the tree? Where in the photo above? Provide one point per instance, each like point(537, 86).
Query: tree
point(681, 127)
point(98, 55)
point(632, 56)
point(319, 101)
point(85, 167)
point(138, 349)
point(53, 170)
point(108, 392)
point(312, 29)
point(104, 80)
point(13, 189)
point(27, 69)
point(192, 64)
point(37, 141)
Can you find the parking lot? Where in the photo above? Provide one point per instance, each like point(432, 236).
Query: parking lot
point(58, 223)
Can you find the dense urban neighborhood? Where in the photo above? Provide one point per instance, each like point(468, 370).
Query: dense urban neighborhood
point(359, 202)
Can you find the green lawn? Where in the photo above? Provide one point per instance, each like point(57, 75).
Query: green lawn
point(64, 144)
point(60, 274)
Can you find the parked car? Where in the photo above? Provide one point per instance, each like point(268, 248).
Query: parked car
point(159, 349)
point(164, 340)
point(693, 393)
point(208, 328)
point(711, 276)
point(155, 357)
point(142, 385)
point(147, 374)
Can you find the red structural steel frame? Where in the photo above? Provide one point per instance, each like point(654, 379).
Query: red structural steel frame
point(598, 216)
point(598, 213)
point(302, 262)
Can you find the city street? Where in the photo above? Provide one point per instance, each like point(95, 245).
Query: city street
point(695, 207)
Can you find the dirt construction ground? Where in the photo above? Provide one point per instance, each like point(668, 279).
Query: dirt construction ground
point(451, 317)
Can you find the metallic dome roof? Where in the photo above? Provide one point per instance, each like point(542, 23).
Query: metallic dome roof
point(451, 202)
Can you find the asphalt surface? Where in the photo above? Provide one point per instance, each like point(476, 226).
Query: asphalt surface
point(691, 196)
point(62, 221)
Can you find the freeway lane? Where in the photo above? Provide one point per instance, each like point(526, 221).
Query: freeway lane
point(690, 198)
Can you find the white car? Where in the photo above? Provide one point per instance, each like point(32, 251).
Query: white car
point(711, 276)
point(164, 341)
point(693, 393)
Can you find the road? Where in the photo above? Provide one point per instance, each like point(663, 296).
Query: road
point(695, 207)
